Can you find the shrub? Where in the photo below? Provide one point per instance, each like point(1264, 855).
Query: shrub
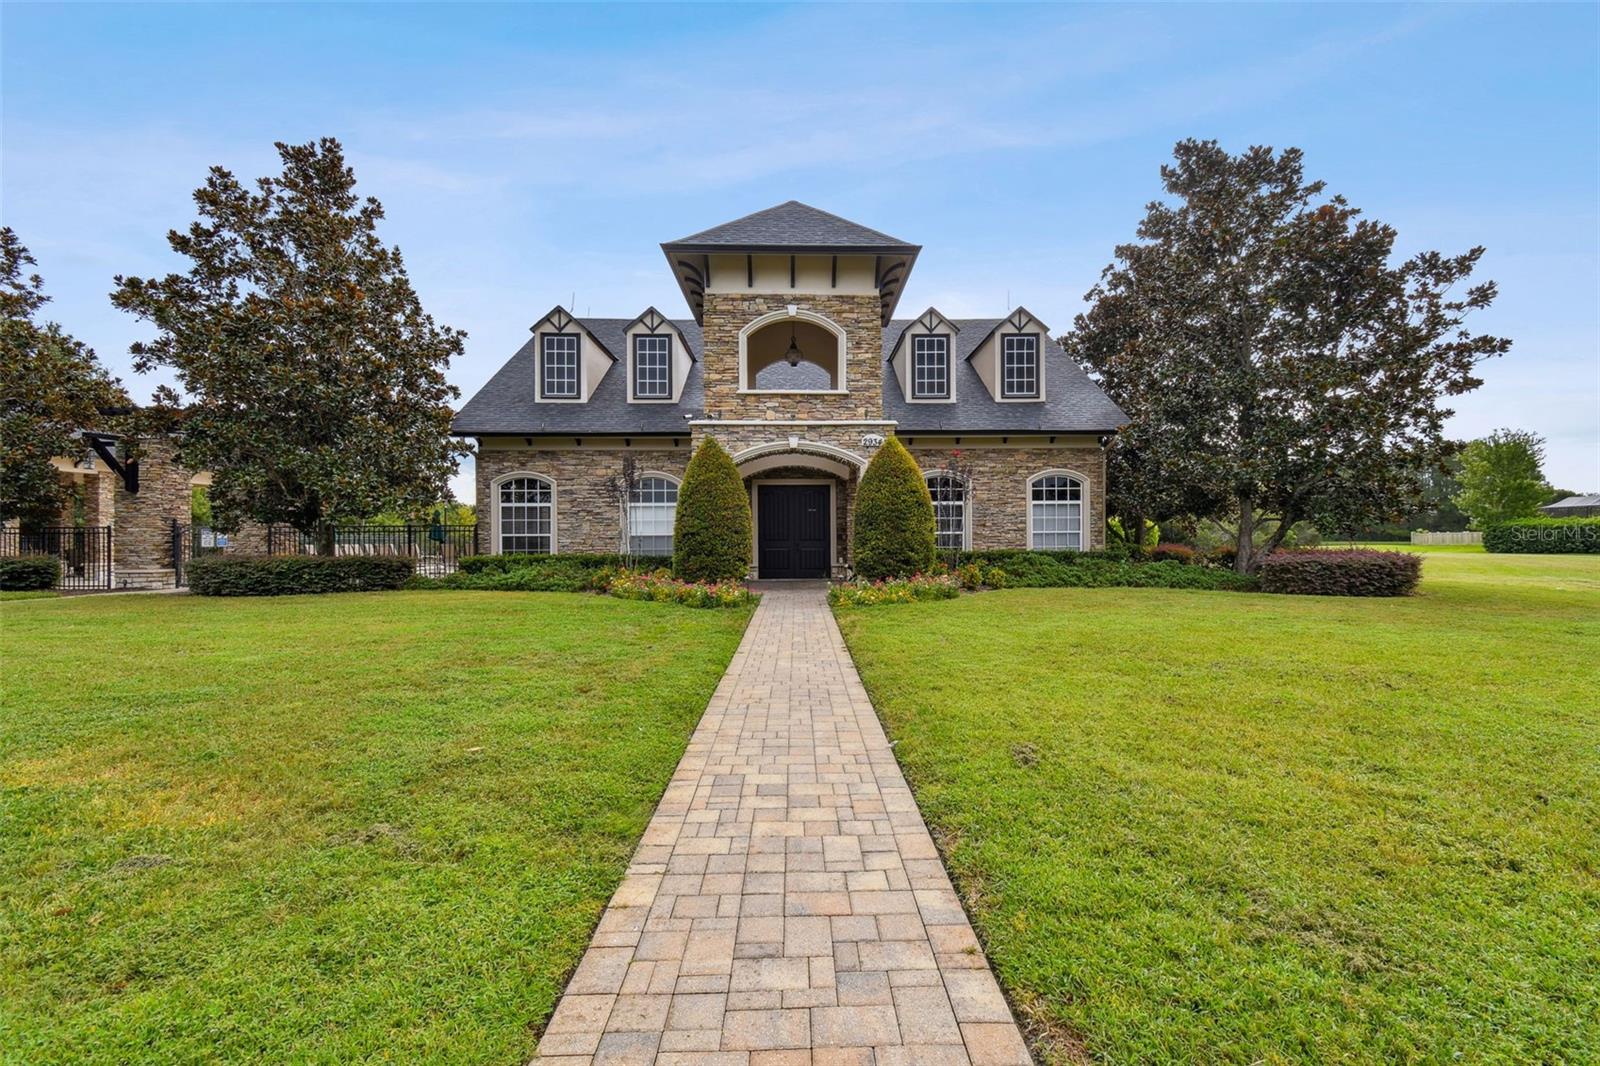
point(711, 535)
point(29, 573)
point(894, 590)
point(478, 564)
point(1334, 572)
point(1224, 556)
point(894, 534)
point(287, 575)
point(573, 572)
point(1067, 569)
point(1544, 536)
point(661, 587)
point(1174, 553)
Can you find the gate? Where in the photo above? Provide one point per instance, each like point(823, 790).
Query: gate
point(189, 542)
point(84, 553)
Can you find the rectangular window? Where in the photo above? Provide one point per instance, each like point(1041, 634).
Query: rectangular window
point(930, 368)
point(652, 509)
point(1019, 365)
point(560, 366)
point(652, 367)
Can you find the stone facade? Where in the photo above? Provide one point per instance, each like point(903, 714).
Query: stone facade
point(588, 517)
point(1000, 476)
point(858, 314)
point(141, 537)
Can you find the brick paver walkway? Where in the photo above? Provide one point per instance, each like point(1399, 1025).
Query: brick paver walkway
point(786, 906)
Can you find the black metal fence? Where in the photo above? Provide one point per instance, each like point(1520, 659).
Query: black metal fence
point(189, 542)
point(83, 551)
point(436, 548)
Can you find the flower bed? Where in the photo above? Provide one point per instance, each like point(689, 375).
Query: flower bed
point(662, 587)
point(894, 590)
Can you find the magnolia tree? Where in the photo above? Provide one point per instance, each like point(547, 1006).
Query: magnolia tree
point(313, 382)
point(51, 388)
point(1277, 365)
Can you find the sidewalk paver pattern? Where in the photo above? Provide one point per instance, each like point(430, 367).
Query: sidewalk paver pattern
point(786, 906)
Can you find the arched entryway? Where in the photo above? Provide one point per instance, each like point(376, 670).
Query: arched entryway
point(802, 494)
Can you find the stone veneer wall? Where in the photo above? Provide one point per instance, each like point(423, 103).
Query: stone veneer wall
point(1000, 488)
point(859, 315)
point(141, 540)
point(587, 517)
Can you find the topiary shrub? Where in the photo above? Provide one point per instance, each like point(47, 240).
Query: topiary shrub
point(29, 573)
point(289, 575)
point(1544, 536)
point(894, 517)
point(1335, 572)
point(711, 534)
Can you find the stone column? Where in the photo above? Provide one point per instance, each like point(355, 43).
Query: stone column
point(141, 539)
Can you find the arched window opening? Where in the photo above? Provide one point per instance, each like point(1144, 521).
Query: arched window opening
point(527, 516)
point(949, 511)
point(652, 509)
point(793, 355)
point(1055, 513)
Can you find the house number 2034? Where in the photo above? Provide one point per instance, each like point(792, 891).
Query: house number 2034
point(871, 440)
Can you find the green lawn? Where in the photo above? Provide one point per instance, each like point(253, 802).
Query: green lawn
point(1215, 827)
point(333, 828)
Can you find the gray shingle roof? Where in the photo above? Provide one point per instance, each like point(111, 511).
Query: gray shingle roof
point(791, 225)
point(1072, 403)
point(505, 404)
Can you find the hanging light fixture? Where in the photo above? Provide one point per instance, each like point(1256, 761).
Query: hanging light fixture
point(793, 355)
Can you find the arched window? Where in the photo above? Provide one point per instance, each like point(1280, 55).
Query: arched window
point(949, 493)
point(527, 515)
point(1055, 511)
point(652, 507)
point(792, 350)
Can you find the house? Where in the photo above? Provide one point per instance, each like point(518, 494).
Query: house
point(1573, 507)
point(793, 359)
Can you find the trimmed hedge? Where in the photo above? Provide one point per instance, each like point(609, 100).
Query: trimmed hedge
point(1107, 569)
point(574, 572)
point(29, 573)
point(292, 575)
point(483, 564)
point(1544, 536)
point(894, 529)
point(711, 533)
point(1341, 572)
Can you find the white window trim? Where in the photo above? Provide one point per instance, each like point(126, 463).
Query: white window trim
point(673, 384)
point(966, 529)
point(627, 518)
point(792, 313)
point(538, 367)
point(1086, 541)
point(494, 513)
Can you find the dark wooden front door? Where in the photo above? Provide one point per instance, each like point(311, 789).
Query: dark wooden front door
point(793, 530)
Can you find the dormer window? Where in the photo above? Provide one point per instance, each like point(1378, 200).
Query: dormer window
point(930, 367)
point(652, 366)
point(559, 366)
point(1019, 366)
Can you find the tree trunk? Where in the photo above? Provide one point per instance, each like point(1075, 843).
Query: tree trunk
point(325, 539)
point(1244, 546)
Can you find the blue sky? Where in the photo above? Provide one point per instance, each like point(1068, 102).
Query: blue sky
point(529, 156)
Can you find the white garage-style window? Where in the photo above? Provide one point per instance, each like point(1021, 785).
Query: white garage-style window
point(526, 515)
point(951, 531)
point(652, 508)
point(1056, 501)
